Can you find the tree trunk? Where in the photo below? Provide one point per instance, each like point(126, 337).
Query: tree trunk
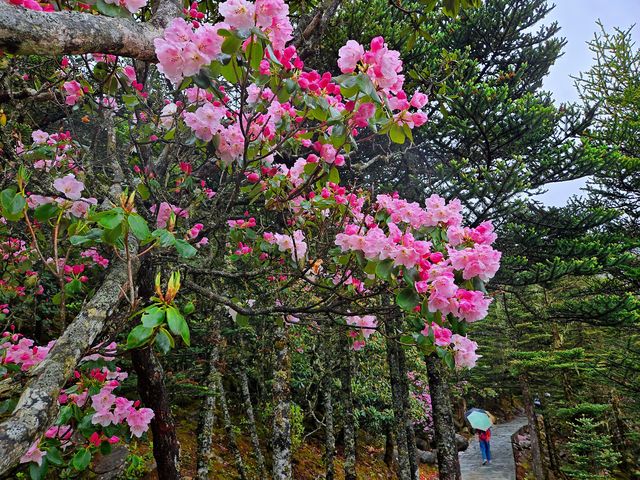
point(411, 434)
point(349, 427)
point(251, 419)
point(397, 400)
point(536, 451)
point(228, 426)
point(329, 438)
point(153, 392)
point(281, 434)
point(445, 434)
point(206, 424)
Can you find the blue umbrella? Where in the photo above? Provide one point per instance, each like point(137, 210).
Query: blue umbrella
point(478, 419)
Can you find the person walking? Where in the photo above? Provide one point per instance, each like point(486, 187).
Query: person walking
point(484, 438)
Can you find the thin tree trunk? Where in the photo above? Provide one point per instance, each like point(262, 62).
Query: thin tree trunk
point(399, 413)
point(349, 419)
point(206, 424)
point(281, 434)
point(215, 388)
point(329, 438)
point(228, 426)
point(445, 434)
point(253, 431)
point(153, 392)
point(536, 451)
point(411, 434)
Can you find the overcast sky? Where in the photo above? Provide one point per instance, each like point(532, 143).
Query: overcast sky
point(577, 20)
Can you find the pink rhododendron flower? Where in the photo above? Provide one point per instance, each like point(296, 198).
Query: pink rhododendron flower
point(349, 56)
point(74, 91)
point(138, 420)
point(238, 13)
point(34, 454)
point(69, 186)
point(464, 351)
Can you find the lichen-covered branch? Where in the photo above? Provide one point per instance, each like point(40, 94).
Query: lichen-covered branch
point(27, 32)
point(38, 403)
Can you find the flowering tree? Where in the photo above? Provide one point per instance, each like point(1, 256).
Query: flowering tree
point(228, 168)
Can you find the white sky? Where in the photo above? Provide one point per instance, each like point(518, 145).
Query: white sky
point(577, 20)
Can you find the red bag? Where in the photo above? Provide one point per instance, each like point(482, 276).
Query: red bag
point(486, 436)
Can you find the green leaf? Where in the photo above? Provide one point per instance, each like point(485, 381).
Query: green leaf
point(178, 325)
point(138, 226)
point(334, 175)
point(396, 133)
point(142, 189)
point(38, 472)
point(384, 268)
point(12, 204)
point(185, 249)
point(231, 44)
point(74, 286)
point(54, 456)
point(153, 316)
point(165, 237)
point(257, 54)
point(407, 299)
point(81, 459)
point(164, 341)
point(105, 447)
point(130, 100)
point(110, 219)
point(46, 211)
point(111, 10)
point(139, 336)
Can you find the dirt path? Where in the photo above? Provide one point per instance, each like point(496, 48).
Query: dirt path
point(502, 466)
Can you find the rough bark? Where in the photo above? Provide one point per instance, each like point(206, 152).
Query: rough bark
point(153, 392)
point(349, 419)
point(411, 434)
point(38, 405)
point(445, 434)
point(281, 432)
point(251, 420)
point(205, 428)
point(536, 451)
point(226, 419)
point(327, 401)
point(399, 413)
point(27, 32)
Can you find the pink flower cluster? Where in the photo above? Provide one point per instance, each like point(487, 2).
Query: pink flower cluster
point(33, 5)
point(131, 5)
point(435, 268)
point(366, 326)
point(286, 243)
point(111, 409)
point(93, 254)
point(22, 351)
point(187, 47)
point(107, 408)
point(72, 201)
point(164, 212)
point(464, 351)
point(381, 64)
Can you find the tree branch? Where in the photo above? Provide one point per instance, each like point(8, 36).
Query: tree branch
point(38, 403)
point(27, 32)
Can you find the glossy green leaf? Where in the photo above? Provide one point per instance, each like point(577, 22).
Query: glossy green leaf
point(139, 336)
point(81, 459)
point(153, 316)
point(407, 299)
point(178, 325)
point(138, 226)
